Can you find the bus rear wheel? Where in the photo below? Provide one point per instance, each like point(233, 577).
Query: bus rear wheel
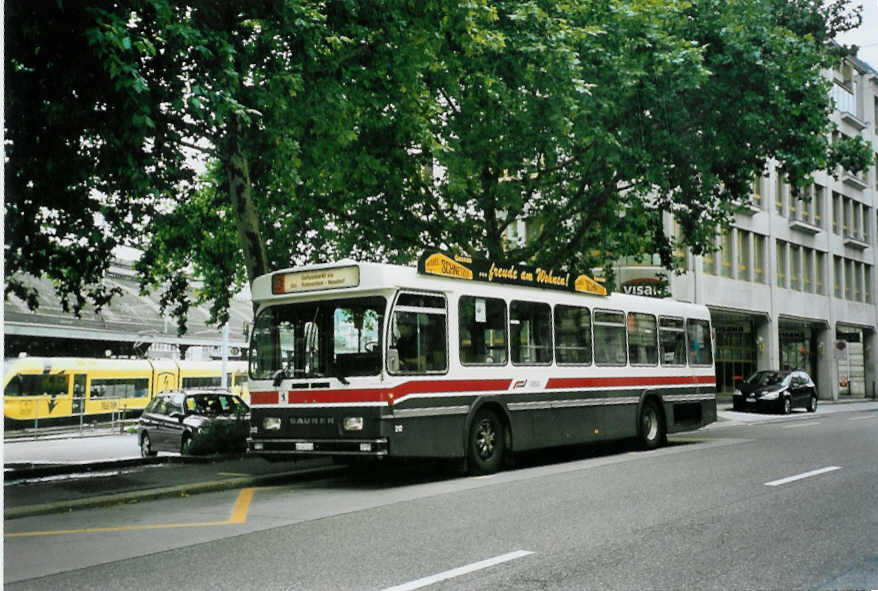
point(652, 432)
point(487, 443)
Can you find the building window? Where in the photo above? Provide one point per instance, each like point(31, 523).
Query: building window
point(867, 222)
point(819, 262)
point(779, 193)
point(781, 263)
point(848, 279)
point(819, 196)
point(743, 255)
point(726, 253)
point(710, 262)
point(759, 258)
point(867, 284)
point(756, 197)
point(836, 267)
point(836, 212)
point(858, 285)
point(795, 265)
point(807, 269)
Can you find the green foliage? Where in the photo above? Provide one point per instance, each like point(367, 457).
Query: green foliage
point(334, 129)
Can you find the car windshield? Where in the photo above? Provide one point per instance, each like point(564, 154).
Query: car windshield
point(766, 378)
point(212, 405)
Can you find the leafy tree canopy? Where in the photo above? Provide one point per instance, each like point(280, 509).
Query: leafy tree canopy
point(225, 139)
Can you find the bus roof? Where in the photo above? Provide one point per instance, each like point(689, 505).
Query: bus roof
point(345, 277)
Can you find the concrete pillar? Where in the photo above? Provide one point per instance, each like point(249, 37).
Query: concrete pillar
point(870, 357)
point(827, 376)
point(767, 344)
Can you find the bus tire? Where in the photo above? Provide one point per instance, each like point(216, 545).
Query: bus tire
point(486, 444)
point(651, 430)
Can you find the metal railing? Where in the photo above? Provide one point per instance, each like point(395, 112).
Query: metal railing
point(40, 424)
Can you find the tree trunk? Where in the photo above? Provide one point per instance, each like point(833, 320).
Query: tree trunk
point(246, 216)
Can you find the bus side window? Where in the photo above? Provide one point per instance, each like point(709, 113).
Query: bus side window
point(642, 348)
point(418, 340)
point(672, 341)
point(482, 323)
point(609, 338)
point(698, 335)
point(530, 332)
point(573, 335)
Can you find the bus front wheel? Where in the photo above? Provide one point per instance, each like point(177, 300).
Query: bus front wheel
point(487, 442)
point(651, 426)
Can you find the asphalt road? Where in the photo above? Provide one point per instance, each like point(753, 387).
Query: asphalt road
point(789, 503)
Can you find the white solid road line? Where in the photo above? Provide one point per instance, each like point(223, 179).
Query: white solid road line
point(456, 572)
point(789, 479)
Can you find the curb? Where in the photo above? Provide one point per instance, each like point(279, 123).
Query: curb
point(304, 474)
point(24, 470)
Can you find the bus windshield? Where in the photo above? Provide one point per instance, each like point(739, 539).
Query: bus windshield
point(328, 338)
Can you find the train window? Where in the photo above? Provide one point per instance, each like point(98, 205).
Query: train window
point(119, 388)
point(698, 333)
point(672, 341)
point(609, 338)
point(205, 382)
point(530, 333)
point(37, 385)
point(482, 330)
point(642, 348)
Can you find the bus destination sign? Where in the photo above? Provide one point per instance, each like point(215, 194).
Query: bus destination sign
point(298, 281)
point(457, 267)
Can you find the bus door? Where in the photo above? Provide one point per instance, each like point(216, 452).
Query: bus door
point(78, 394)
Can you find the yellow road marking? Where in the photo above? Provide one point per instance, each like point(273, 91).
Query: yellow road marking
point(242, 505)
point(239, 515)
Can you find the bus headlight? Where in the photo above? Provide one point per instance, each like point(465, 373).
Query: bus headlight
point(271, 423)
point(353, 423)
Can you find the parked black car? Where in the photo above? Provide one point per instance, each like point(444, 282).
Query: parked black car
point(778, 391)
point(194, 421)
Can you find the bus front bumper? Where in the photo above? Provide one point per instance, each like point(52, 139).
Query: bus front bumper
point(334, 447)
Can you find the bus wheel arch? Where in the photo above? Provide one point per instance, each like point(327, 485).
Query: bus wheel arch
point(487, 437)
point(652, 424)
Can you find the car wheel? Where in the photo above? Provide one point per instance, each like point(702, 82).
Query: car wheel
point(185, 445)
point(487, 443)
point(787, 405)
point(146, 449)
point(651, 426)
point(737, 405)
point(812, 403)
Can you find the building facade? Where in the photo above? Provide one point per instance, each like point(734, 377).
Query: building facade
point(793, 282)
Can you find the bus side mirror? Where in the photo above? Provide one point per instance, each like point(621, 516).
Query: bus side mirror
point(393, 360)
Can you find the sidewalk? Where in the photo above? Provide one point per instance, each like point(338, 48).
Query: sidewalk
point(55, 488)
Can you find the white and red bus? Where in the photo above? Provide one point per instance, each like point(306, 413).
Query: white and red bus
point(462, 358)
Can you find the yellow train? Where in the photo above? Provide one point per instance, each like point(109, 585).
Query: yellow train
point(48, 391)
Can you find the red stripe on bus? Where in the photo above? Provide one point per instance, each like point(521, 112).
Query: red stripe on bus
point(382, 394)
point(464, 386)
point(555, 383)
point(263, 397)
